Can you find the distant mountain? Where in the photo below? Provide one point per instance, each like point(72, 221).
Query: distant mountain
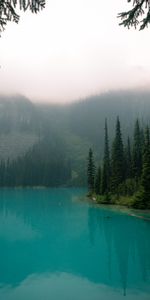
point(18, 125)
point(85, 119)
point(79, 125)
point(17, 113)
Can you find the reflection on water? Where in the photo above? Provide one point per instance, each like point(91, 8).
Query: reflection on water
point(64, 286)
point(54, 247)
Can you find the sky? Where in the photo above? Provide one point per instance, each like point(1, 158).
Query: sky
point(73, 49)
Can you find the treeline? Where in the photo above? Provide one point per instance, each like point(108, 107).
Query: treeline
point(125, 169)
point(44, 165)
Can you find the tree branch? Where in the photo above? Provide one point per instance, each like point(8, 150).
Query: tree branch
point(8, 10)
point(138, 15)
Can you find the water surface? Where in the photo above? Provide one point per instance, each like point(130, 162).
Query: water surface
point(55, 245)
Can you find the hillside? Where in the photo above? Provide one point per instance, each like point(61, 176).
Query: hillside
point(79, 125)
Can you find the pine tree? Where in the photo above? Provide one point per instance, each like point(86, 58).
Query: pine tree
point(142, 199)
point(128, 160)
point(137, 152)
point(91, 172)
point(98, 182)
point(138, 14)
point(105, 185)
point(9, 10)
point(117, 160)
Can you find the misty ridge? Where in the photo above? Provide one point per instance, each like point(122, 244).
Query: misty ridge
point(59, 136)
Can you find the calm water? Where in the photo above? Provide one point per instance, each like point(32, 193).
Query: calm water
point(53, 246)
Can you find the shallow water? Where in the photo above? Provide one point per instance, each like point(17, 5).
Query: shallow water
point(55, 246)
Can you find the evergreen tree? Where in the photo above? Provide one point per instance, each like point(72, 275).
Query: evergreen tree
point(142, 137)
point(40, 166)
point(128, 160)
point(142, 199)
point(137, 152)
point(91, 172)
point(98, 182)
point(105, 185)
point(117, 160)
point(9, 10)
point(138, 14)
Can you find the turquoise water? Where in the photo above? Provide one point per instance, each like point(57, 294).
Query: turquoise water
point(55, 246)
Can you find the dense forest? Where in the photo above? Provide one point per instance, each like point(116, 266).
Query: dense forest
point(124, 175)
point(38, 135)
point(42, 165)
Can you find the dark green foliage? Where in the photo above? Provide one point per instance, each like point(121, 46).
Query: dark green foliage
point(44, 165)
point(139, 14)
point(128, 160)
point(91, 172)
point(8, 10)
point(127, 187)
point(137, 152)
point(130, 176)
point(117, 160)
point(142, 199)
point(106, 170)
point(98, 181)
point(105, 184)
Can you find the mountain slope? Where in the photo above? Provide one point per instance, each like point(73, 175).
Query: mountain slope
point(79, 125)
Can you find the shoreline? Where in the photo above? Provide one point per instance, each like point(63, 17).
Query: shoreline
point(143, 214)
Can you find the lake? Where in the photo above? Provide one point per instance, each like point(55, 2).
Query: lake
point(54, 245)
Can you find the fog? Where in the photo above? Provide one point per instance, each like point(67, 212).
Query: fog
point(73, 49)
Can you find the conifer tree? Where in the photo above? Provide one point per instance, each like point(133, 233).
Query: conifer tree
point(137, 152)
point(142, 138)
point(98, 181)
point(105, 185)
point(142, 199)
point(139, 14)
point(128, 160)
point(9, 10)
point(117, 160)
point(91, 172)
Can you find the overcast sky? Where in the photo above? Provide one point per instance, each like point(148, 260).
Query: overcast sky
point(72, 49)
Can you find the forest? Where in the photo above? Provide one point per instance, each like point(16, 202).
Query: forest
point(124, 175)
point(47, 145)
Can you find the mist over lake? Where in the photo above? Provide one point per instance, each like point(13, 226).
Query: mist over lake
point(74, 150)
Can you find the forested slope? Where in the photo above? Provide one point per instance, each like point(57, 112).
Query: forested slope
point(79, 126)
